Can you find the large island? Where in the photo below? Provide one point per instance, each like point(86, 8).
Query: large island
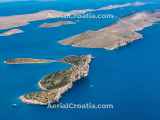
point(55, 84)
point(116, 35)
point(14, 21)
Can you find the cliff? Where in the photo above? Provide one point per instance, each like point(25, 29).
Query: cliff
point(54, 85)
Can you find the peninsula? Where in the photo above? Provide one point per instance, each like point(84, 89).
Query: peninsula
point(54, 85)
point(116, 35)
point(56, 24)
point(27, 61)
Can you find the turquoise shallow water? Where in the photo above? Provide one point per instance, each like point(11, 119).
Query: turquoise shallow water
point(128, 77)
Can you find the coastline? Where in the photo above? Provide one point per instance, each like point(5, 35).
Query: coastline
point(56, 24)
point(11, 32)
point(54, 85)
point(123, 32)
point(15, 21)
point(29, 61)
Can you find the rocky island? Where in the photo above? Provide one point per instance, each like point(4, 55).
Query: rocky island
point(27, 61)
point(11, 32)
point(116, 6)
point(54, 85)
point(8, 22)
point(56, 24)
point(116, 35)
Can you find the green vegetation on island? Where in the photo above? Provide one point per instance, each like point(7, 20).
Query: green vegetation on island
point(54, 85)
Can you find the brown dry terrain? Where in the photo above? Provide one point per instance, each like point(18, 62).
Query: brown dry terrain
point(27, 61)
point(11, 32)
point(116, 35)
point(8, 22)
point(56, 24)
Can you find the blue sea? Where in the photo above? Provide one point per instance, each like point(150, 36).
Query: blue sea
point(128, 78)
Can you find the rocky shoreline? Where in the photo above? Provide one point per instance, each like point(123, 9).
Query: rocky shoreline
point(54, 85)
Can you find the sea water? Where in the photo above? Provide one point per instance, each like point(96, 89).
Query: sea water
point(127, 77)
